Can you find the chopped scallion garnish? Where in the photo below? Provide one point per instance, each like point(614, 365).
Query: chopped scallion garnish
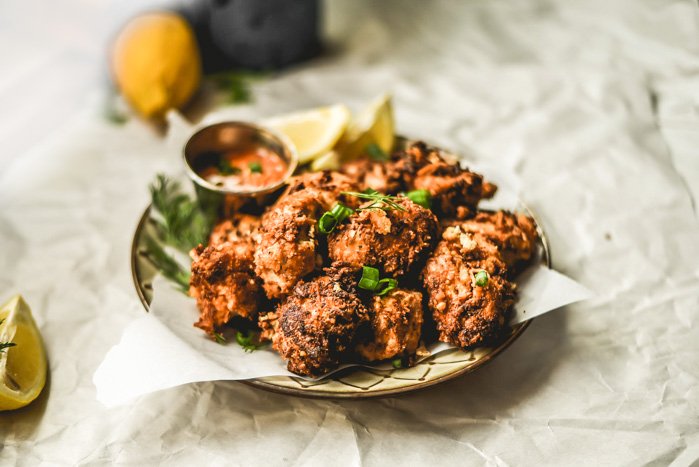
point(219, 338)
point(385, 286)
point(482, 278)
point(370, 278)
point(226, 168)
point(331, 219)
point(397, 363)
point(421, 197)
point(370, 281)
point(255, 167)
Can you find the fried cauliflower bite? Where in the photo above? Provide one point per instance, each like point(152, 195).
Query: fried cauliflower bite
point(286, 244)
point(326, 186)
point(466, 314)
point(379, 176)
point(396, 322)
point(239, 227)
point(513, 233)
point(392, 240)
point(455, 191)
point(223, 284)
point(318, 323)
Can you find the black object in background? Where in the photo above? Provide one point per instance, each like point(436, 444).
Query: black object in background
point(253, 34)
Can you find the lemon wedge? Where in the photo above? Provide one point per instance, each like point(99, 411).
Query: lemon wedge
point(374, 125)
point(314, 132)
point(328, 161)
point(23, 366)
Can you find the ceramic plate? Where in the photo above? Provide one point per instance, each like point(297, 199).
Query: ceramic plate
point(353, 382)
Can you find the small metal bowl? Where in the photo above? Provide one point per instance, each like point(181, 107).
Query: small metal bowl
point(229, 136)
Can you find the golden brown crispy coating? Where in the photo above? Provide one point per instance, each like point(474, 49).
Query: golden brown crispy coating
point(286, 247)
point(396, 321)
point(326, 186)
point(318, 323)
point(380, 176)
point(223, 284)
point(466, 314)
point(455, 191)
point(514, 234)
point(391, 240)
point(240, 227)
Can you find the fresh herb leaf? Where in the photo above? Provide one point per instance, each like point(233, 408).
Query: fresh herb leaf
point(184, 224)
point(375, 152)
point(226, 168)
point(167, 266)
point(247, 340)
point(6, 345)
point(397, 363)
point(421, 197)
point(255, 167)
point(482, 278)
point(379, 201)
point(220, 339)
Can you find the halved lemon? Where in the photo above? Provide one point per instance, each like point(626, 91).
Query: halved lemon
point(314, 132)
point(22, 366)
point(374, 125)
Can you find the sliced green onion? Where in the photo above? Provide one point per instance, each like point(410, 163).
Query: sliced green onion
point(341, 212)
point(385, 286)
point(370, 278)
point(421, 197)
point(255, 167)
point(375, 152)
point(327, 223)
point(482, 278)
point(397, 363)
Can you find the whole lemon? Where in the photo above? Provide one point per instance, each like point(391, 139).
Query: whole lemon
point(156, 63)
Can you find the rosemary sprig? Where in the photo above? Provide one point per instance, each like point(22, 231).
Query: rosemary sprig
point(379, 201)
point(167, 266)
point(183, 225)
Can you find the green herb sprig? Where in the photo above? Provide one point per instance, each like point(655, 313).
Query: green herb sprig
point(375, 152)
point(370, 281)
point(237, 85)
point(248, 340)
point(183, 225)
point(378, 200)
point(167, 266)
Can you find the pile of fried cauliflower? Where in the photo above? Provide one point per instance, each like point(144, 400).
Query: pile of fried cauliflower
point(367, 263)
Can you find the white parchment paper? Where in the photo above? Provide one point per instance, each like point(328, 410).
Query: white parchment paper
point(592, 104)
point(162, 349)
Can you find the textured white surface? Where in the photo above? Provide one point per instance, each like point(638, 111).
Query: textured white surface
point(594, 104)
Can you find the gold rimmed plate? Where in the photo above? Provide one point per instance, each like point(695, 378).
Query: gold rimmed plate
point(354, 382)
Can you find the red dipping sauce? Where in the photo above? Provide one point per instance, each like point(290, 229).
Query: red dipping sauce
point(248, 169)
